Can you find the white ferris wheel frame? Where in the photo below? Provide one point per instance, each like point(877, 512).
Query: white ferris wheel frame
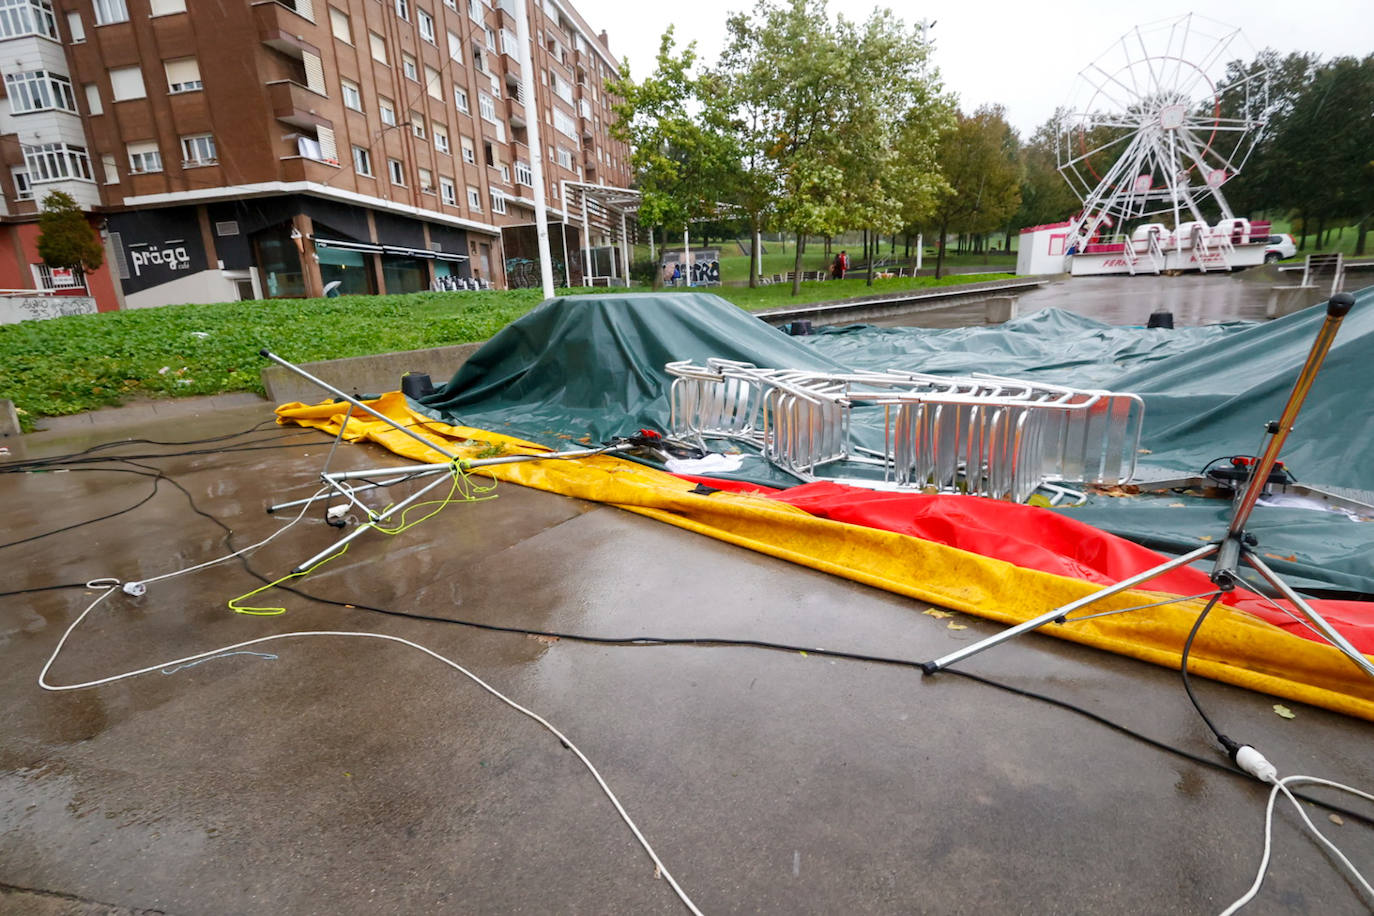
point(1157, 87)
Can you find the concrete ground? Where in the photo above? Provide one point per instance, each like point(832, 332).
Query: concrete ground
point(356, 776)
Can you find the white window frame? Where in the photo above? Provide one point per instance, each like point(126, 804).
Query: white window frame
point(403, 9)
point(108, 12)
point(352, 94)
point(498, 200)
point(417, 125)
point(524, 174)
point(376, 45)
point(46, 162)
point(28, 17)
point(23, 189)
point(487, 106)
point(362, 161)
point(386, 110)
point(410, 67)
point(426, 24)
point(434, 83)
point(455, 46)
point(198, 150)
point(441, 142)
point(448, 191)
point(39, 90)
point(469, 151)
point(474, 199)
point(185, 85)
point(460, 100)
point(145, 157)
point(426, 179)
point(396, 171)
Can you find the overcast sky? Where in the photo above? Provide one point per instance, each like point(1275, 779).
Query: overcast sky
point(1024, 55)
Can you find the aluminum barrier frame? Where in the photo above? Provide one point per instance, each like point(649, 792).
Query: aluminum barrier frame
point(983, 434)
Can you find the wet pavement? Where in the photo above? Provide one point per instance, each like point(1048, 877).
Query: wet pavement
point(333, 775)
point(1194, 299)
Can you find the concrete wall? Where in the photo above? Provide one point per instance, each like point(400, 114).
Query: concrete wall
point(205, 286)
point(364, 374)
point(14, 309)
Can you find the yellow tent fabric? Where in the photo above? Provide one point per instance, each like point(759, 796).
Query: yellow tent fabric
point(1234, 647)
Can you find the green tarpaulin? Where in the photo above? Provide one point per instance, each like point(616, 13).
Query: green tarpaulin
point(592, 366)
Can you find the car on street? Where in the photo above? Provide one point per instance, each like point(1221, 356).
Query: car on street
point(1279, 248)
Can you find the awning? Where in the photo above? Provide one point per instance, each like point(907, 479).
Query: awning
point(388, 249)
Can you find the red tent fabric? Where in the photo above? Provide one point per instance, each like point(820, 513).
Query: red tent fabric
point(1040, 539)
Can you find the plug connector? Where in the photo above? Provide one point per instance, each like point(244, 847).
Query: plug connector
point(136, 589)
point(1253, 762)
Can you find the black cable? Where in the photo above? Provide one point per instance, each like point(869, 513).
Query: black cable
point(91, 521)
point(1231, 745)
point(42, 588)
point(114, 443)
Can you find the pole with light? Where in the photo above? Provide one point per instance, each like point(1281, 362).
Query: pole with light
point(532, 115)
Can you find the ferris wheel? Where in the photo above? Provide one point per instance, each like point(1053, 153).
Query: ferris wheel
point(1158, 124)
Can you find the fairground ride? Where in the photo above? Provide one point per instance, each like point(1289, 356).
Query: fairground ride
point(1154, 130)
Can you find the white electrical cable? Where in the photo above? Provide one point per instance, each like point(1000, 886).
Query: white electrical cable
point(139, 587)
point(113, 585)
point(1281, 785)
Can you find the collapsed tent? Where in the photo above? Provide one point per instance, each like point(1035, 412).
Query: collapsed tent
point(588, 368)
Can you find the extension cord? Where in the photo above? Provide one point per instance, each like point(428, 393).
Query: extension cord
point(1254, 763)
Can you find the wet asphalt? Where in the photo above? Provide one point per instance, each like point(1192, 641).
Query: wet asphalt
point(345, 775)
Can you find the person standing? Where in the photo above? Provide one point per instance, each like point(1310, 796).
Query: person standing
point(844, 263)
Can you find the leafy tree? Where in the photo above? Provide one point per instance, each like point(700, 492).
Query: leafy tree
point(980, 162)
point(65, 237)
point(823, 107)
point(685, 158)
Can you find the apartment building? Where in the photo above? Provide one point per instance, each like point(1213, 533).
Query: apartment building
point(263, 148)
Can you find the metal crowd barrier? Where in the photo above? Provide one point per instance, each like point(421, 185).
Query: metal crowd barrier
point(982, 434)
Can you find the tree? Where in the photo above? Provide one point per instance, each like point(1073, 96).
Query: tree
point(821, 106)
point(979, 159)
point(685, 159)
point(65, 237)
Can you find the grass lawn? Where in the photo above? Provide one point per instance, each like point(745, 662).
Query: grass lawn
point(780, 259)
point(82, 362)
point(1339, 238)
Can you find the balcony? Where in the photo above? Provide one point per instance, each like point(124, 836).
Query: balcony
point(588, 129)
point(296, 105)
point(282, 29)
point(515, 112)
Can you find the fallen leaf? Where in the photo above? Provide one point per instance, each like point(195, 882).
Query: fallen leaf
point(1335, 819)
point(1144, 451)
point(1204, 537)
point(564, 436)
point(937, 613)
point(955, 626)
point(1283, 711)
point(803, 655)
point(546, 640)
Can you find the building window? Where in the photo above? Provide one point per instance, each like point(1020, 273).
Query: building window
point(47, 277)
point(565, 158)
point(564, 124)
point(28, 17)
point(167, 7)
point(433, 84)
point(127, 83)
point(107, 162)
point(74, 26)
point(455, 47)
point(426, 25)
point(498, 201)
point(93, 99)
point(426, 181)
point(417, 124)
point(108, 11)
point(388, 110)
point(475, 9)
point(523, 175)
point(448, 193)
point(486, 106)
point(56, 161)
point(39, 90)
point(474, 199)
point(183, 75)
point(378, 45)
point(490, 37)
point(340, 26)
point(352, 95)
point(469, 155)
point(408, 67)
point(22, 189)
point(198, 149)
point(144, 157)
point(460, 99)
point(362, 161)
point(403, 9)
point(441, 139)
point(397, 172)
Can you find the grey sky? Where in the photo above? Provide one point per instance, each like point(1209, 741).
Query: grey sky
point(1024, 55)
